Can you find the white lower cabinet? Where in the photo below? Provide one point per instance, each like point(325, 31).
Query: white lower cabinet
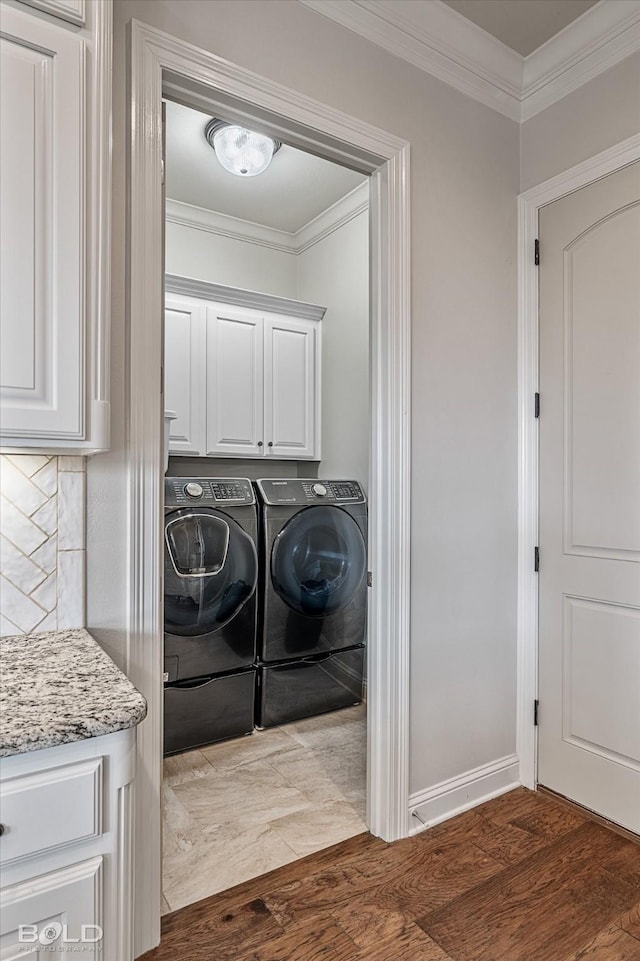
point(59, 910)
point(244, 381)
point(65, 883)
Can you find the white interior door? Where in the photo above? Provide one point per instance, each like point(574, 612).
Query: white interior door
point(589, 648)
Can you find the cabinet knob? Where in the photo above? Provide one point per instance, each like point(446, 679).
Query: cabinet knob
point(270, 443)
point(2, 829)
point(260, 443)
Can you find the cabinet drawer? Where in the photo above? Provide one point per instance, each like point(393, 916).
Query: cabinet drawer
point(50, 809)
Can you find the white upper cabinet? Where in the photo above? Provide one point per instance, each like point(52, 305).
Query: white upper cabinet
point(291, 395)
point(54, 176)
point(257, 382)
point(234, 382)
point(72, 10)
point(185, 344)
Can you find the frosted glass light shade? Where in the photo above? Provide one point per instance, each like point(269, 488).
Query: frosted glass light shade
point(242, 152)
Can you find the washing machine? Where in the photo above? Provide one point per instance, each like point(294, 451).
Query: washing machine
point(210, 610)
point(314, 611)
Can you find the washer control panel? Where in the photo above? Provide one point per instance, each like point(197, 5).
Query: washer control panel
point(208, 491)
point(296, 490)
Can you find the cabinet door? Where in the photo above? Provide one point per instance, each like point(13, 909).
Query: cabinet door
point(71, 10)
point(184, 363)
point(291, 388)
point(235, 414)
point(54, 915)
point(41, 194)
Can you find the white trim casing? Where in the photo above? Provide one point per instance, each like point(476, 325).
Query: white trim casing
point(442, 42)
point(197, 76)
point(529, 204)
point(461, 793)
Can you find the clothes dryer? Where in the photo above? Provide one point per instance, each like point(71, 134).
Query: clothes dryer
point(314, 612)
point(210, 610)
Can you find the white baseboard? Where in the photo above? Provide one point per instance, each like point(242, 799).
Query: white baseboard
point(458, 794)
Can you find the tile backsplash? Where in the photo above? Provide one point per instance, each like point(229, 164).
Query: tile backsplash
point(42, 543)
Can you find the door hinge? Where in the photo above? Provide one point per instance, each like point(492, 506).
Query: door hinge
point(162, 171)
point(536, 252)
point(536, 707)
point(369, 579)
point(536, 559)
point(536, 405)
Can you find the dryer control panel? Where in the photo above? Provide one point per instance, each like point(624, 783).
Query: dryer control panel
point(302, 491)
point(209, 491)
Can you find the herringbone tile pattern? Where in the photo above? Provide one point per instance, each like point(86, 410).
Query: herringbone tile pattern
point(41, 543)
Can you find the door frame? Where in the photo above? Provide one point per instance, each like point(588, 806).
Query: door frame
point(162, 63)
point(529, 204)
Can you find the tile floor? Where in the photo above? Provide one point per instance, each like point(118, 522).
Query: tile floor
point(235, 810)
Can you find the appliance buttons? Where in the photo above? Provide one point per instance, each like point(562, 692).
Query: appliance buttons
point(193, 490)
point(319, 490)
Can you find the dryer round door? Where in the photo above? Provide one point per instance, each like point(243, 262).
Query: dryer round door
point(318, 561)
point(210, 570)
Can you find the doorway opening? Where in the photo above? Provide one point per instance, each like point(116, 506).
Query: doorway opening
point(162, 65)
point(266, 396)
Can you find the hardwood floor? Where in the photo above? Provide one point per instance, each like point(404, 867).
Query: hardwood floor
point(521, 878)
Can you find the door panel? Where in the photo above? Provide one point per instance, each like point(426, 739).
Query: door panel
point(184, 389)
point(589, 649)
point(234, 379)
point(290, 381)
point(602, 379)
point(602, 654)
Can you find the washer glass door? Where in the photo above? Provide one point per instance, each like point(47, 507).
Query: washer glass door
point(318, 561)
point(210, 570)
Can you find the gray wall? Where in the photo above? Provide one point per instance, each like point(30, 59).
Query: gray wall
point(224, 260)
point(465, 176)
point(592, 118)
point(335, 273)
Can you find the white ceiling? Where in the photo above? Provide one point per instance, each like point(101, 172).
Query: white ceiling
point(291, 192)
point(523, 25)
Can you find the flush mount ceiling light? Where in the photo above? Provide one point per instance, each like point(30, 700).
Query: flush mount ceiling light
point(240, 151)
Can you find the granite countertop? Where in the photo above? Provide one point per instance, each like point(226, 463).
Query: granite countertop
point(61, 687)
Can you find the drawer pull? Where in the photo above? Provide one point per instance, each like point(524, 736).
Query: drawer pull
point(2, 829)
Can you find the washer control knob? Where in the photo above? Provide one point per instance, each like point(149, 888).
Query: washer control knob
point(319, 490)
point(193, 490)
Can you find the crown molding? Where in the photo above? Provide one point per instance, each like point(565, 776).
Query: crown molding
point(441, 42)
point(334, 217)
point(212, 222)
point(233, 228)
point(437, 39)
point(599, 39)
